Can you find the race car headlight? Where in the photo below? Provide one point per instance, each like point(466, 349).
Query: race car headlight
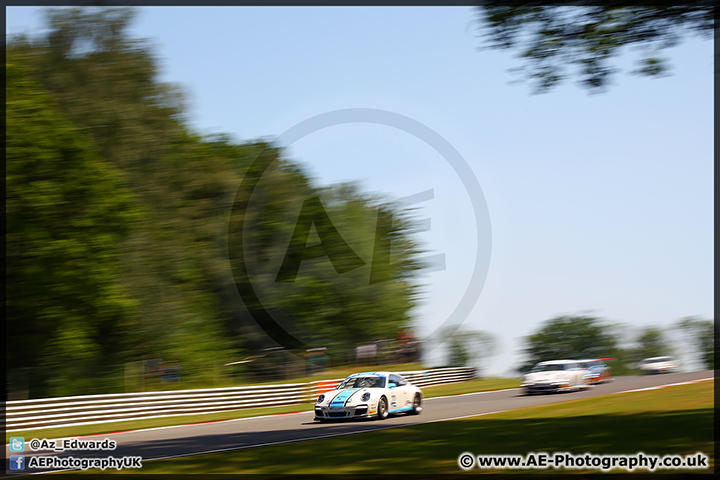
point(321, 398)
point(365, 397)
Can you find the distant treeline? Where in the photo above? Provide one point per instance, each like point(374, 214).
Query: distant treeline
point(583, 336)
point(129, 237)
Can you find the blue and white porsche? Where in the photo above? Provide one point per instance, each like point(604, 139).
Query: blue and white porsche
point(369, 394)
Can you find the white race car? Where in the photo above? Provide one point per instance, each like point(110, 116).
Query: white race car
point(369, 394)
point(554, 376)
point(659, 365)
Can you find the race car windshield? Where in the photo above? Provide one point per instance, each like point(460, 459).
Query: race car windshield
point(547, 368)
point(363, 382)
point(657, 360)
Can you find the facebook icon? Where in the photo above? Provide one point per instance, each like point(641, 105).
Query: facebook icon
point(17, 462)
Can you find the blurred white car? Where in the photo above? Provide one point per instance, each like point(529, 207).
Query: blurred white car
point(554, 376)
point(659, 365)
point(369, 394)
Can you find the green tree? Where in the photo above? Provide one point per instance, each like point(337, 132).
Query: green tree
point(570, 337)
point(105, 83)
point(552, 39)
point(329, 238)
point(170, 272)
point(701, 333)
point(468, 347)
point(67, 209)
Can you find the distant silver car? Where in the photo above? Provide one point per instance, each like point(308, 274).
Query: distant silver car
point(659, 365)
point(369, 394)
point(555, 376)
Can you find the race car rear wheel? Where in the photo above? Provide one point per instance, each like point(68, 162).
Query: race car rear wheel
point(382, 411)
point(417, 405)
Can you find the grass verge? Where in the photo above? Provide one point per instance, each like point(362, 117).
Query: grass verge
point(673, 420)
point(478, 385)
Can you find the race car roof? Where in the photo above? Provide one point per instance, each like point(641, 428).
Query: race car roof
point(557, 362)
point(376, 374)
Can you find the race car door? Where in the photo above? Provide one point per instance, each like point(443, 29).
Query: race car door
point(399, 394)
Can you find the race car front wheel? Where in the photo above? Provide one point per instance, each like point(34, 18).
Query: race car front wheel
point(382, 411)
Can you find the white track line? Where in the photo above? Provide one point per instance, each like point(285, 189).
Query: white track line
point(352, 433)
point(667, 385)
point(396, 426)
point(324, 436)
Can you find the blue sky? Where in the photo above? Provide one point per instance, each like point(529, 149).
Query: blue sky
point(600, 203)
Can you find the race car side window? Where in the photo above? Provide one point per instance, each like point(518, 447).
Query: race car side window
point(397, 380)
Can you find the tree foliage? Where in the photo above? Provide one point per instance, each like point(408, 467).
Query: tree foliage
point(120, 224)
point(67, 209)
point(553, 40)
point(468, 347)
point(314, 251)
point(570, 337)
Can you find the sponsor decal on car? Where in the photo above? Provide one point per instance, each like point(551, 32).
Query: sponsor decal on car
point(341, 398)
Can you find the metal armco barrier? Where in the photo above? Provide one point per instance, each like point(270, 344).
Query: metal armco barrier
point(122, 407)
point(421, 378)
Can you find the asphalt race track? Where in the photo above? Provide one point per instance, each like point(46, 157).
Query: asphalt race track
point(168, 442)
